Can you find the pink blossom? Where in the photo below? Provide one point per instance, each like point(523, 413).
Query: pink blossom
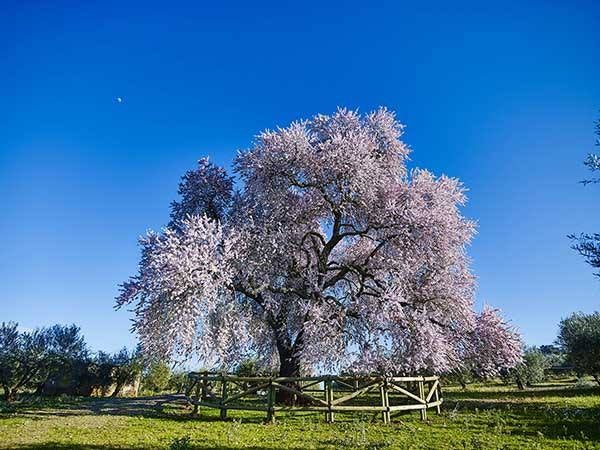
point(332, 255)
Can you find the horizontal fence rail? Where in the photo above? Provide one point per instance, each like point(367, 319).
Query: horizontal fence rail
point(328, 394)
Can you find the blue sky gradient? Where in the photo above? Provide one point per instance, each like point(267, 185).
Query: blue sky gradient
point(502, 97)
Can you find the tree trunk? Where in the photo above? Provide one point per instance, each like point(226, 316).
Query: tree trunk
point(520, 384)
point(118, 388)
point(289, 366)
point(9, 394)
point(39, 390)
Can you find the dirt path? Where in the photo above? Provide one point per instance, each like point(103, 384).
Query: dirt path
point(153, 406)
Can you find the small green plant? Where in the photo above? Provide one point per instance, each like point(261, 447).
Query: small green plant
point(182, 443)
point(476, 443)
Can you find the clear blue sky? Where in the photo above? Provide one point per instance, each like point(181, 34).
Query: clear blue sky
point(503, 97)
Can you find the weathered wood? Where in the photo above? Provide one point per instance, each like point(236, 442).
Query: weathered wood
point(358, 408)
point(329, 387)
point(311, 384)
point(407, 393)
point(206, 392)
point(404, 379)
point(199, 392)
point(334, 408)
point(271, 403)
point(241, 384)
point(251, 390)
point(197, 395)
point(299, 393)
point(207, 404)
point(422, 395)
point(432, 390)
point(354, 394)
point(301, 408)
point(406, 407)
point(223, 399)
point(328, 401)
point(190, 387)
point(340, 381)
point(218, 377)
point(385, 414)
point(204, 386)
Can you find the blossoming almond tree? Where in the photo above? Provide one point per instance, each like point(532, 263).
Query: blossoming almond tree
point(332, 254)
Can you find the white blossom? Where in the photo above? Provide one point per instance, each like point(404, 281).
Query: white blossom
point(331, 255)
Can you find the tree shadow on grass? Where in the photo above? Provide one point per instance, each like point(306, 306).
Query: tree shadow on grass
point(555, 420)
point(192, 446)
point(164, 407)
point(537, 391)
point(150, 407)
point(479, 410)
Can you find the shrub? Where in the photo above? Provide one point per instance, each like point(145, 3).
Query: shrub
point(177, 382)
point(531, 371)
point(156, 377)
point(37, 358)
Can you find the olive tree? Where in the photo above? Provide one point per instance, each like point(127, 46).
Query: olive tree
point(31, 358)
point(588, 244)
point(579, 337)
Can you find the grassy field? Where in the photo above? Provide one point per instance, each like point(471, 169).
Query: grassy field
point(484, 417)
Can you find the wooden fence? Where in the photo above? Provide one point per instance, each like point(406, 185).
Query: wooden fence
point(328, 394)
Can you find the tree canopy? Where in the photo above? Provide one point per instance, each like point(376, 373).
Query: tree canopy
point(330, 254)
point(579, 336)
point(29, 358)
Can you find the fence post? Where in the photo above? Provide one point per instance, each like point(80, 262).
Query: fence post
point(202, 388)
point(385, 414)
point(271, 402)
point(204, 385)
point(388, 415)
point(189, 386)
point(329, 417)
point(196, 397)
point(422, 397)
point(223, 397)
point(437, 398)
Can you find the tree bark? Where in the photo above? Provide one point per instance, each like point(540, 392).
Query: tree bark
point(8, 394)
point(520, 384)
point(39, 390)
point(289, 366)
point(117, 390)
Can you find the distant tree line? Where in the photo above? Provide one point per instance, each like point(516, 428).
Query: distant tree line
point(56, 360)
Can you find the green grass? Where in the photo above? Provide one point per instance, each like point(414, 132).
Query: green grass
point(553, 415)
